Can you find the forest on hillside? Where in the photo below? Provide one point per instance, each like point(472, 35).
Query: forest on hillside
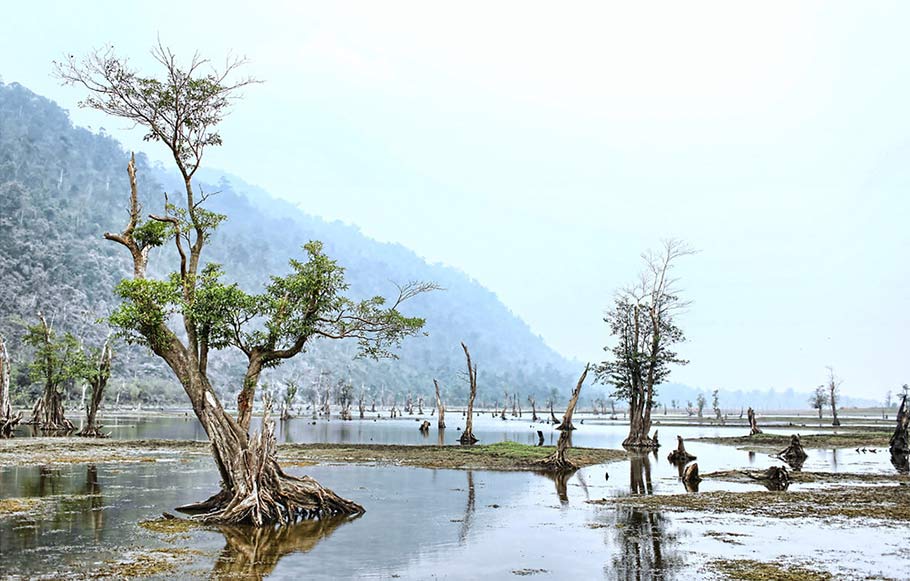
point(62, 187)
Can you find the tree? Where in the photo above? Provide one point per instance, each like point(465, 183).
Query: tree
point(57, 361)
point(700, 404)
point(819, 399)
point(558, 461)
point(834, 384)
point(888, 399)
point(467, 437)
point(715, 404)
point(182, 111)
point(95, 369)
point(441, 419)
point(287, 400)
point(8, 420)
point(642, 320)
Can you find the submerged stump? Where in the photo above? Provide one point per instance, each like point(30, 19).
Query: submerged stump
point(794, 455)
point(679, 455)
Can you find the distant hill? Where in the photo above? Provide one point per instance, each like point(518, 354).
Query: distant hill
point(62, 186)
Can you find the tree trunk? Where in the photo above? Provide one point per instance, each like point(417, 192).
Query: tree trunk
point(8, 421)
point(533, 403)
point(441, 420)
point(679, 455)
point(899, 445)
point(753, 424)
point(254, 489)
point(558, 460)
point(98, 383)
point(835, 422)
point(467, 437)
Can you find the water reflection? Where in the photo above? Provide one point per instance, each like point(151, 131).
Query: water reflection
point(640, 474)
point(468, 511)
point(646, 547)
point(253, 553)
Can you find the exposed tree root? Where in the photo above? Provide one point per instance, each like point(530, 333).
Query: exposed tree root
point(93, 431)
point(47, 414)
point(8, 424)
point(265, 495)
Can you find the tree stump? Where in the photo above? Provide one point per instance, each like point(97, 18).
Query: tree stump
point(691, 478)
point(753, 425)
point(899, 446)
point(679, 455)
point(794, 455)
point(425, 427)
point(441, 421)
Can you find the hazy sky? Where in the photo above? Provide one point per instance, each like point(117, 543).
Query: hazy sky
point(541, 147)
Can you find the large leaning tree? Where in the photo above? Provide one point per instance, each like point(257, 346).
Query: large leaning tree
point(643, 324)
point(184, 317)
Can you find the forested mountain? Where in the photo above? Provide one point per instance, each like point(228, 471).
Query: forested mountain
point(62, 187)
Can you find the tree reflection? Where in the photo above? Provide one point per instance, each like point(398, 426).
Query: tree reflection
point(468, 511)
point(253, 552)
point(646, 548)
point(561, 480)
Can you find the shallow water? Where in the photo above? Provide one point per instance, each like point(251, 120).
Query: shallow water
point(425, 523)
point(420, 523)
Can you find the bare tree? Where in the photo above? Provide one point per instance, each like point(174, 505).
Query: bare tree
point(467, 437)
point(8, 420)
point(833, 387)
point(643, 321)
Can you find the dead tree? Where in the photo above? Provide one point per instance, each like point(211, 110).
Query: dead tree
point(420, 405)
point(794, 455)
point(441, 420)
point(834, 384)
point(899, 445)
point(553, 419)
point(679, 455)
point(97, 377)
point(467, 437)
point(753, 424)
point(533, 403)
point(566, 423)
point(360, 405)
point(8, 421)
point(558, 461)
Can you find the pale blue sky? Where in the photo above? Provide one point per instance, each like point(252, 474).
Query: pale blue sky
point(541, 147)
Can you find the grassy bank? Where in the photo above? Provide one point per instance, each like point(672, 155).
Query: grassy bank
point(500, 456)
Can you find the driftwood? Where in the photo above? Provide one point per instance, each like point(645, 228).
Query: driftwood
point(441, 421)
point(753, 425)
point(467, 437)
point(794, 455)
point(558, 461)
point(679, 455)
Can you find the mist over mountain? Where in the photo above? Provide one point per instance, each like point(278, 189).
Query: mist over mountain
point(62, 187)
